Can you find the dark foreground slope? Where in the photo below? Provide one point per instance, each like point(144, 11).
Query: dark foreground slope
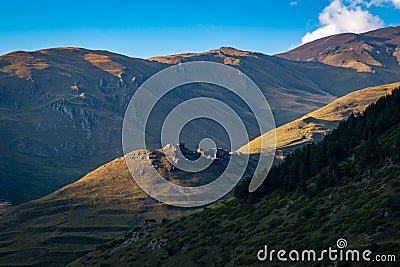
point(349, 189)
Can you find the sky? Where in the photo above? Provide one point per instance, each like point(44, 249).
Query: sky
point(151, 28)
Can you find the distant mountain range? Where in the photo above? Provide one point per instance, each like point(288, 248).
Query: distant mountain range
point(61, 118)
point(62, 108)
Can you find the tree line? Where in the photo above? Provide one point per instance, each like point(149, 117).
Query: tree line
point(357, 145)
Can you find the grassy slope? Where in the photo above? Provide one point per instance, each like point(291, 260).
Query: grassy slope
point(313, 126)
point(365, 210)
point(104, 204)
point(71, 221)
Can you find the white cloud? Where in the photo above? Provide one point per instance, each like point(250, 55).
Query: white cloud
point(395, 3)
point(339, 18)
point(294, 3)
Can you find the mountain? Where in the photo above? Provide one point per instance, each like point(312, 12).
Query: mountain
point(375, 51)
point(350, 192)
point(62, 108)
point(315, 125)
point(60, 116)
point(107, 202)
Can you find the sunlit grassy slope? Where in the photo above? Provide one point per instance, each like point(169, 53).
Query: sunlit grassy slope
point(61, 226)
point(313, 126)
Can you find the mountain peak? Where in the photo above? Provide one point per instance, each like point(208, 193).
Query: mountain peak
point(366, 52)
point(226, 55)
point(231, 51)
point(384, 32)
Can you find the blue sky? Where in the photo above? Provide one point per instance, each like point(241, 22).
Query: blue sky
point(150, 28)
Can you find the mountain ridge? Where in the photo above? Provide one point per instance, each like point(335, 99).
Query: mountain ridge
point(72, 107)
point(62, 108)
point(366, 52)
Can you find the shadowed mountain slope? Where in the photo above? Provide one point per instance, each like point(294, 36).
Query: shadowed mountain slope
point(60, 115)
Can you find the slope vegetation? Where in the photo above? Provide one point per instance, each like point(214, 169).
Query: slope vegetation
point(347, 188)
